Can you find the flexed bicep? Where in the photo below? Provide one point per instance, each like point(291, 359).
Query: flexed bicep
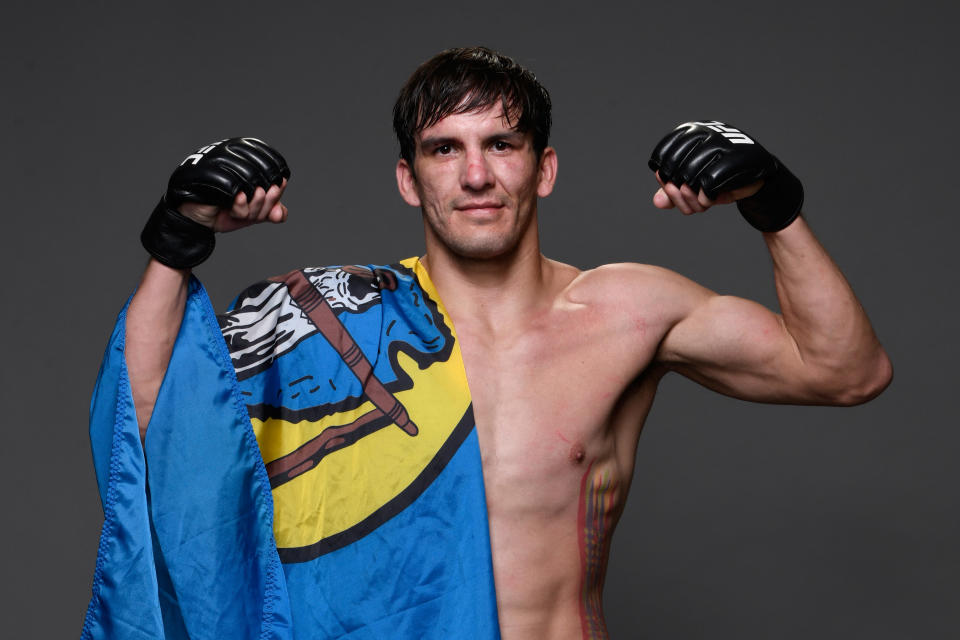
point(742, 349)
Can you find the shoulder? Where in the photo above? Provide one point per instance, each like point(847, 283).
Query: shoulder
point(351, 286)
point(626, 274)
point(641, 288)
point(271, 317)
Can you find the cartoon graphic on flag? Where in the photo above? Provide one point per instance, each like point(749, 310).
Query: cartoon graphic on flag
point(312, 471)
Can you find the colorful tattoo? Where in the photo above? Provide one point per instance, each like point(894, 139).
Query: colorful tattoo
point(598, 494)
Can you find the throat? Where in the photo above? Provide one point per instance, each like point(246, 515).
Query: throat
point(511, 286)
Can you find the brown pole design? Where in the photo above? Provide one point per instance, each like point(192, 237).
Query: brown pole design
point(323, 317)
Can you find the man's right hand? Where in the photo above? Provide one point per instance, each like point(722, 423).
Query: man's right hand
point(265, 206)
point(230, 184)
point(223, 186)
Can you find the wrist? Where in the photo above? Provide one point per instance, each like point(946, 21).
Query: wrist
point(204, 214)
point(776, 205)
point(175, 240)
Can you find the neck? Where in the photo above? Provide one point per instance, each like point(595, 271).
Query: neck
point(493, 291)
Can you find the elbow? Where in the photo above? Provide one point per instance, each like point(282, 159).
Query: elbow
point(143, 409)
point(863, 383)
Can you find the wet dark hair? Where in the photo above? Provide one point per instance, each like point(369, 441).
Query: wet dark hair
point(470, 79)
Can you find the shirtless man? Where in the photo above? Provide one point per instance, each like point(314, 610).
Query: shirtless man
point(562, 364)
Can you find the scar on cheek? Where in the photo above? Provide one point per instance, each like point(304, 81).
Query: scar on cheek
point(577, 453)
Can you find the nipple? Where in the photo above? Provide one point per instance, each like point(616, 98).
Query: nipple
point(577, 453)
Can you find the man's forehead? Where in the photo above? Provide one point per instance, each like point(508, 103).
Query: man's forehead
point(487, 120)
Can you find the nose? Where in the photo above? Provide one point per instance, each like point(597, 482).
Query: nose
point(477, 175)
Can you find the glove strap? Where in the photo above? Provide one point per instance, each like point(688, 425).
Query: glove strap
point(776, 205)
point(175, 240)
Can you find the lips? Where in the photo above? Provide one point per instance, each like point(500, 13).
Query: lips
point(471, 206)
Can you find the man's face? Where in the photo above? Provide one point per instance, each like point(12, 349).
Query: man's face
point(477, 181)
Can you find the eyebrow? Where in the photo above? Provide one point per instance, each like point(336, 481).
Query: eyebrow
point(435, 141)
point(512, 134)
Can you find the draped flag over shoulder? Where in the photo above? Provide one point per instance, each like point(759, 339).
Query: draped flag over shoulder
point(311, 471)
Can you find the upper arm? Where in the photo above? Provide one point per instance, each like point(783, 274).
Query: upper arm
point(731, 345)
point(740, 348)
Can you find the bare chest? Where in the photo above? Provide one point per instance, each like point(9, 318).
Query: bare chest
point(558, 412)
point(551, 402)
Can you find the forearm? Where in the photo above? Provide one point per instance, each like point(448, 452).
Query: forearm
point(224, 186)
point(833, 334)
point(153, 321)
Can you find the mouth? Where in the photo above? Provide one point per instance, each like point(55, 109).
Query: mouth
point(480, 207)
point(484, 204)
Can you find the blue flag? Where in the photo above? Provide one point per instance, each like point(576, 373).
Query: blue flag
point(311, 471)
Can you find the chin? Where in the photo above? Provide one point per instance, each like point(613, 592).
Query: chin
point(486, 249)
point(478, 242)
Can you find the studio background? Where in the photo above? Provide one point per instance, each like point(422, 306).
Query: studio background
point(744, 521)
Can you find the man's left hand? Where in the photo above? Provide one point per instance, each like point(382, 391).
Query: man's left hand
point(683, 198)
point(700, 164)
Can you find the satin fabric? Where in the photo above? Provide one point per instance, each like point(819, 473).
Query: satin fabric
point(188, 547)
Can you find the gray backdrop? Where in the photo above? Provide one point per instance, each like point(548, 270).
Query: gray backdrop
point(744, 521)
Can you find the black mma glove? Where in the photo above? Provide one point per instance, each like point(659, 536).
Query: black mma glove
point(716, 157)
point(214, 175)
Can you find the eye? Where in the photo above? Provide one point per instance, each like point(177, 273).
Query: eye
point(501, 145)
point(443, 149)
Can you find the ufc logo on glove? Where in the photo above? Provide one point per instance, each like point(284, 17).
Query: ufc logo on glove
point(733, 135)
point(194, 158)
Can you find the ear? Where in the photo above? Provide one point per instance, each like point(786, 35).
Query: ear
point(547, 172)
point(407, 183)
